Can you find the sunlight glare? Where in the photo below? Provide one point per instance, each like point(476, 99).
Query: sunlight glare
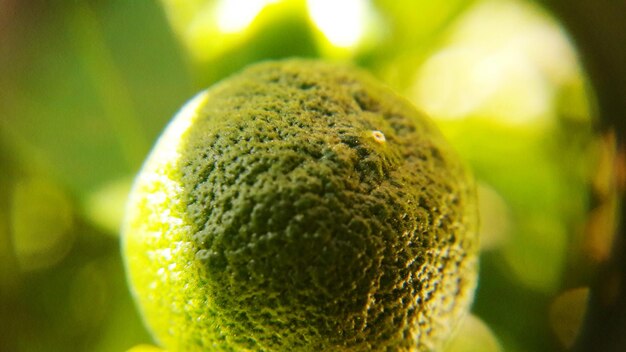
point(502, 61)
point(342, 22)
point(235, 15)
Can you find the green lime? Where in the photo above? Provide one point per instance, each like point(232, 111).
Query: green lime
point(301, 206)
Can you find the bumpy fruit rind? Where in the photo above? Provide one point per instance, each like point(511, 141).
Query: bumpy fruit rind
point(301, 206)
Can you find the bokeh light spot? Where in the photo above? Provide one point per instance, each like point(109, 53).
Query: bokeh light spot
point(501, 61)
point(105, 207)
point(473, 335)
point(495, 218)
point(342, 22)
point(41, 219)
point(567, 313)
point(236, 15)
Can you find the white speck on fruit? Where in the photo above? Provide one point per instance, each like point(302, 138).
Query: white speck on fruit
point(379, 137)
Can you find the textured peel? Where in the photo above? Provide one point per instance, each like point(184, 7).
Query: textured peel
point(301, 206)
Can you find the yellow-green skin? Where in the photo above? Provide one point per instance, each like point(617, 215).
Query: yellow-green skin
point(301, 206)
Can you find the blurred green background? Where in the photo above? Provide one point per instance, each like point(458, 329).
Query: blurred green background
point(87, 86)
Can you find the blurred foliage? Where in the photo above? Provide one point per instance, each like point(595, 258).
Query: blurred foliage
point(86, 87)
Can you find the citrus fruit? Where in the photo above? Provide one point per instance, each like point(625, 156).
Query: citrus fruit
point(301, 206)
